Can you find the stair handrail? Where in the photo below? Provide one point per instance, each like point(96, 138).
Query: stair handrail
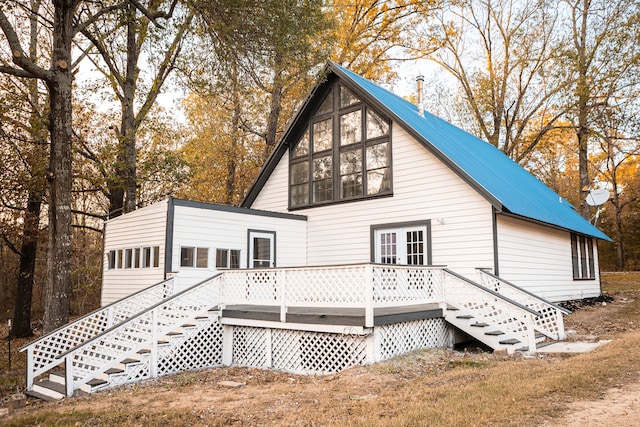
point(514, 318)
point(549, 323)
point(138, 332)
point(43, 353)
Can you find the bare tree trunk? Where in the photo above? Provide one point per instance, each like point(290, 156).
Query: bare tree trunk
point(582, 131)
point(58, 284)
point(275, 108)
point(22, 312)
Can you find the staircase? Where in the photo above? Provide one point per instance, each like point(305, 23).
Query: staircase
point(175, 333)
point(499, 314)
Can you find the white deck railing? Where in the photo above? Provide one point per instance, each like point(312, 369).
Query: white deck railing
point(550, 321)
point(97, 355)
point(43, 353)
point(348, 286)
point(486, 305)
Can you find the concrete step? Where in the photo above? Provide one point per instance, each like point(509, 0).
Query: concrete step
point(54, 390)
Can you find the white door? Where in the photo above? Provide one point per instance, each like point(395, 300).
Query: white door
point(262, 249)
point(405, 246)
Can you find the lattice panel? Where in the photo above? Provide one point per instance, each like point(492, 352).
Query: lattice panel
point(343, 285)
point(399, 338)
point(549, 323)
point(250, 347)
point(402, 284)
point(196, 348)
point(316, 352)
point(133, 372)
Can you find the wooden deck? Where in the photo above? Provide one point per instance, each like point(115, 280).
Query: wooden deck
point(333, 316)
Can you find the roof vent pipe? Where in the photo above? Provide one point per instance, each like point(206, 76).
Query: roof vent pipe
point(420, 82)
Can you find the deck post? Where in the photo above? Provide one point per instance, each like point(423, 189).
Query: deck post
point(153, 356)
point(30, 368)
point(68, 374)
point(283, 295)
point(531, 334)
point(227, 345)
point(368, 310)
point(560, 322)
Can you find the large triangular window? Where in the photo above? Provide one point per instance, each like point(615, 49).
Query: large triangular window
point(343, 153)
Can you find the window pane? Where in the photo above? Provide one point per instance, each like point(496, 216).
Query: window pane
point(350, 128)
point(300, 172)
point(222, 258)
point(128, 258)
point(322, 184)
point(322, 138)
point(322, 190)
point(156, 256)
point(112, 260)
point(136, 258)
point(119, 260)
point(347, 97)
point(327, 105)
point(234, 262)
point(322, 168)
point(186, 257)
point(300, 194)
point(376, 125)
point(202, 260)
point(302, 147)
point(378, 181)
point(351, 173)
point(377, 156)
point(146, 257)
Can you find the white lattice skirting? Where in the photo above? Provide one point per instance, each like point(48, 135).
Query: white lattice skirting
point(305, 352)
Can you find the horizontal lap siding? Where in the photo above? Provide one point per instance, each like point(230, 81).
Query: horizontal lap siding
point(424, 189)
point(143, 227)
point(538, 259)
point(216, 229)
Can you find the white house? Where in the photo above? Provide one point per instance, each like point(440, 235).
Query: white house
point(372, 230)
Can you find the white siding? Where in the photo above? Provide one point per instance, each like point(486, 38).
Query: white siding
point(424, 188)
point(143, 227)
point(216, 229)
point(538, 259)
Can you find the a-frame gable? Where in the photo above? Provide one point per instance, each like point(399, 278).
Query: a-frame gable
point(501, 181)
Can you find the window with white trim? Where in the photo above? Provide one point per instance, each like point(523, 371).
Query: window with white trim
point(194, 257)
point(582, 257)
point(227, 258)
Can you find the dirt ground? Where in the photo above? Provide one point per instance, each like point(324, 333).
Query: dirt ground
point(240, 396)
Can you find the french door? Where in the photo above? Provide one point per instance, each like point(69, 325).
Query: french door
point(402, 245)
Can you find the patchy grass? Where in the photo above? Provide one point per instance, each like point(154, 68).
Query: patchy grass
point(436, 387)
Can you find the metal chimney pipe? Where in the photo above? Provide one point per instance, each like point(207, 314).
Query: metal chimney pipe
point(420, 83)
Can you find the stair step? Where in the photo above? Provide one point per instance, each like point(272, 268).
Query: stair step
point(114, 371)
point(52, 389)
point(41, 396)
point(96, 382)
point(464, 316)
point(510, 341)
point(480, 325)
point(131, 361)
point(494, 333)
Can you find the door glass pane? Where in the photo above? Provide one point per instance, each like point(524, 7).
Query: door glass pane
point(415, 247)
point(388, 254)
point(261, 252)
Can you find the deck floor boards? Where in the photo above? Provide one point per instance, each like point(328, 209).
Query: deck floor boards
point(334, 315)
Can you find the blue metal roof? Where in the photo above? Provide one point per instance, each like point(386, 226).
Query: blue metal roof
point(505, 183)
